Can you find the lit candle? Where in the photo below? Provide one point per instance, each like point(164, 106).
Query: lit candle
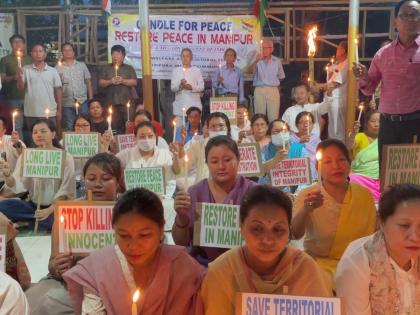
point(183, 116)
point(174, 123)
point(332, 60)
point(76, 105)
point(19, 59)
point(360, 112)
point(64, 240)
point(14, 114)
point(109, 119)
point(128, 111)
point(47, 113)
point(284, 136)
point(183, 70)
point(318, 157)
point(311, 53)
point(356, 50)
point(246, 120)
point(308, 119)
point(185, 172)
point(261, 42)
point(116, 70)
point(136, 296)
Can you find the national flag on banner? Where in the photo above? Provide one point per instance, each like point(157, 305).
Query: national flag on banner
point(106, 6)
point(260, 7)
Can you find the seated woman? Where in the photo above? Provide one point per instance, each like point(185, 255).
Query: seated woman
point(380, 274)
point(305, 140)
point(167, 277)
point(185, 134)
point(224, 185)
point(44, 137)
point(259, 129)
point(147, 154)
point(364, 145)
point(266, 263)
point(334, 212)
point(103, 176)
point(83, 124)
point(217, 124)
point(15, 262)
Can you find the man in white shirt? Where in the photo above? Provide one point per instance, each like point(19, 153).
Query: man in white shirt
point(187, 83)
point(301, 94)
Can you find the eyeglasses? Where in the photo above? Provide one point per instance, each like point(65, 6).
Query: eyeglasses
point(410, 16)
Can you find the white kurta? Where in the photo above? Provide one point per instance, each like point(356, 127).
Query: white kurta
point(12, 299)
point(337, 112)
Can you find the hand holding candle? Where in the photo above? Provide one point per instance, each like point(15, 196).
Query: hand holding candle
point(136, 296)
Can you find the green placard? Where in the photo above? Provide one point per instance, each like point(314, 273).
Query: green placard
point(81, 145)
point(42, 163)
point(217, 226)
point(151, 178)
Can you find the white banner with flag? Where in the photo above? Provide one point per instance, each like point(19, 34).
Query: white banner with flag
point(207, 36)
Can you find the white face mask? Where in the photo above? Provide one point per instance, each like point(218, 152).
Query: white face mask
point(278, 138)
point(213, 134)
point(146, 144)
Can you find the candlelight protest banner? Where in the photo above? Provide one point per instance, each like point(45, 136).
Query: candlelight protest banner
point(152, 178)
point(217, 225)
point(81, 145)
point(125, 141)
point(207, 36)
point(400, 165)
point(43, 163)
point(225, 105)
point(250, 163)
point(82, 226)
point(3, 243)
point(270, 304)
point(291, 172)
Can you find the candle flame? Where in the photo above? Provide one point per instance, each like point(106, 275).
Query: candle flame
point(59, 62)
point(47, 111)
point(220, 65)
point(183, 69)
point(109, 119)
point(18, 54)
point(195, 133)
point(61, 218)
point(184, 109)
point(174, 122)
point(186, 158)
point(356, 41)
point(110, 110)
point(128, 104)
point(136, 296)
point(332, 60)
point(311, 41)
point(261, 42)
point(14, 114)
point(360, 107)
point(326, 68)
point(116, 67)
point(76, 104)
point(318, 156)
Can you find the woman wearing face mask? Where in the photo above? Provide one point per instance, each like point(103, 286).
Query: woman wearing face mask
point(332, 213)
point(44, 137)
point(217, 124)
point(103, 176)
point(265, 264)
point(166, 276)
point(147, 154)
point(224, 185)
point(259, 129)
point(305, 141)
point(380, 274)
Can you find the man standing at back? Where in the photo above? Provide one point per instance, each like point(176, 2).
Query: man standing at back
point(9, 66)
point(42, 86)
point(118, 79)
point(397, 67)
point(77, 86)
point(268, 72)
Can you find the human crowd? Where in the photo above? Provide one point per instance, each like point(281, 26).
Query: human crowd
point(359, 244)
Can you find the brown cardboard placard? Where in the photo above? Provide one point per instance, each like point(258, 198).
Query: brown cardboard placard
point(250, 161)
point(226, 105)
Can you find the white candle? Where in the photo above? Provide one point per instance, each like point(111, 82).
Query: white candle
point(319, 159)
point(136, 296)
point(183, 116)
point(14, 114)
point(174, 123)
point(185, 172)
point(19, 59)
point(47, 113)
point(116, 70)
point(357, 50)
point(360, 112)
point(183, 69)
point(128, 111)
point(76, 105)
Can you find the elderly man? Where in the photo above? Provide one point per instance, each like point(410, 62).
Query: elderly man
point(397, 67)
point(268, 72)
